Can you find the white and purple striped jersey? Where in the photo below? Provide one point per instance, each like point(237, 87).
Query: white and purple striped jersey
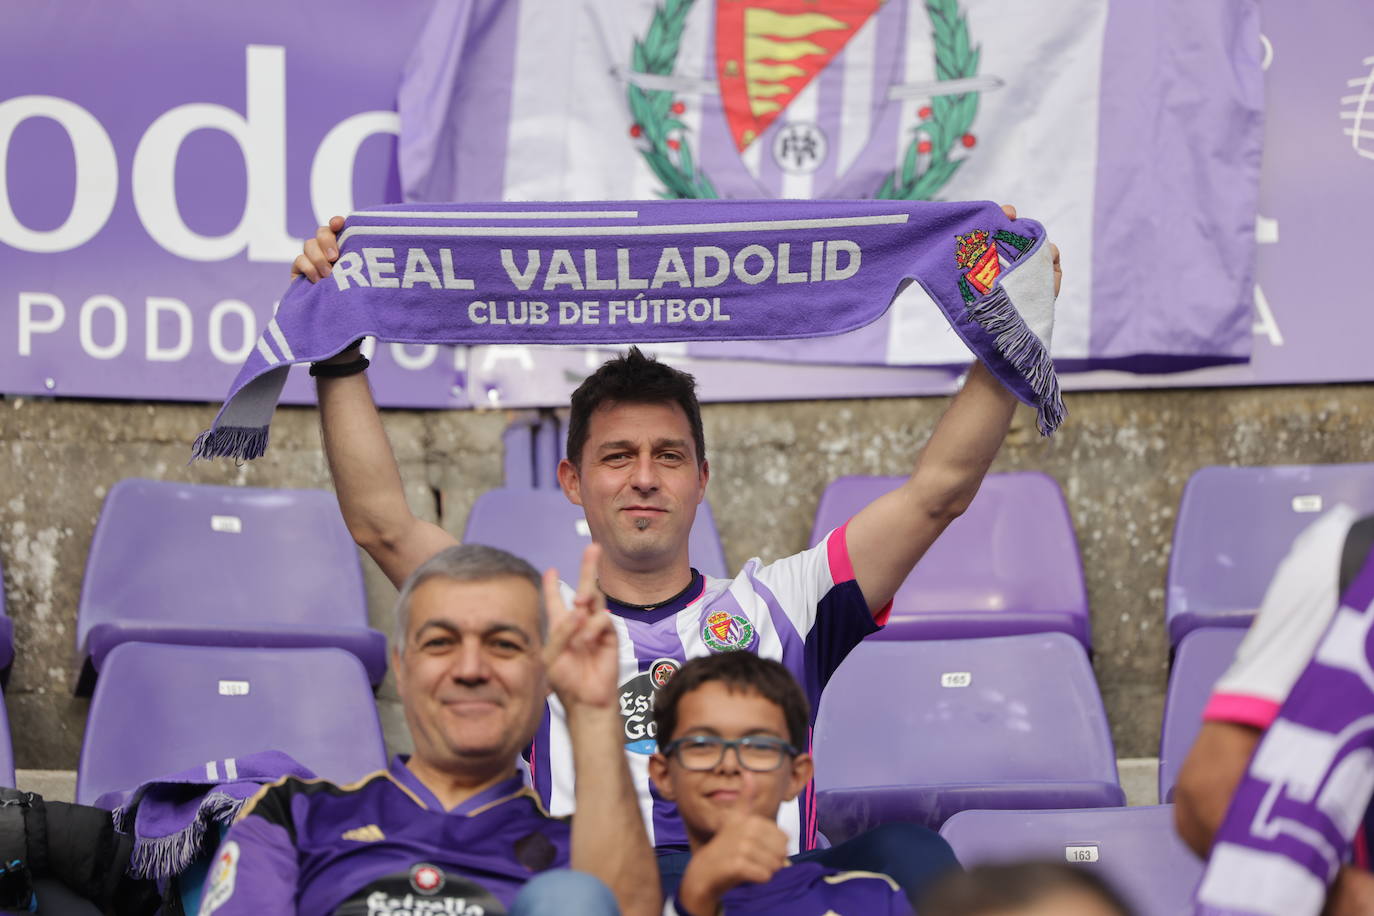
point(805, 611)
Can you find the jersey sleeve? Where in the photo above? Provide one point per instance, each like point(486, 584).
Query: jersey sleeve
point(255, 870)
point(817, 591)
point(1296, 610)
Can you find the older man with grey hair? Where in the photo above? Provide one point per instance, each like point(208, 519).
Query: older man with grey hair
point(453, 827)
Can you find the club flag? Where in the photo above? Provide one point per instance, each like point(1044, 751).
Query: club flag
point(1130, 129)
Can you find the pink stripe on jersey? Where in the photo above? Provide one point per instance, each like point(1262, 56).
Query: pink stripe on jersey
point(842, 567)
point(1242, 710)
point(837, 551)
point(1362, 849)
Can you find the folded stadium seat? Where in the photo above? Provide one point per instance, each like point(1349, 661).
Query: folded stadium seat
point(544, 528)
point(6, 748)
point(1008, 565)
point(222, 566)
point(1201, 659)
point(1134, 849)
point(160, 709)
point(1234, 525)
point(916, 731)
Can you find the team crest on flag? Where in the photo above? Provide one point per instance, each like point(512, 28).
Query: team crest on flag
point(724, 632)
point(767, 52)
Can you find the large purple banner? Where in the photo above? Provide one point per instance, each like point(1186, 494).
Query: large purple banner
point(159, 163)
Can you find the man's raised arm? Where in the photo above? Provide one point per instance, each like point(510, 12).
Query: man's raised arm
point(888, 537)
point(582, 654)
point(361, 463)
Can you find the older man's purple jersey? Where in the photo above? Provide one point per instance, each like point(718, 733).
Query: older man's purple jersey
point(383, 846)
point(805, 611)
point(808, 889)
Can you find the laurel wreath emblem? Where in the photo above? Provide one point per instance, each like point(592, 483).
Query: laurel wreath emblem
point(927, 164)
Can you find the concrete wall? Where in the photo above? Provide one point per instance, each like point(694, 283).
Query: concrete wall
point(1122, 458)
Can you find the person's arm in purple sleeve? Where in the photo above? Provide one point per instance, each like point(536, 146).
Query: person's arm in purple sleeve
point(889, 536)
point(367, 481)
point(254, 872)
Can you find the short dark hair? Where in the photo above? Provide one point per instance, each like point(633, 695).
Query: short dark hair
point(740, 672)
point(986, 889)
point(633, 379)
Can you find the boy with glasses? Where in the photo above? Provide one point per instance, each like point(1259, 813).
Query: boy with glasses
point(730, 732)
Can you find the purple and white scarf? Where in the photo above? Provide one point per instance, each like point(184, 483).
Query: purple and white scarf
point(1294, 817)
point(169, 817)
point(655, 271)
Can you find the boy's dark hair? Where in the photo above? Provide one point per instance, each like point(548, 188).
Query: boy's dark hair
point(633, 379)
point(740, 672)
point(987, 889)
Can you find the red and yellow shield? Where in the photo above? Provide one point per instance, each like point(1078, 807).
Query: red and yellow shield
point(767, 51)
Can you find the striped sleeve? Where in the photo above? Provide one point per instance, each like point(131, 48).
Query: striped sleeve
point(1296, 610)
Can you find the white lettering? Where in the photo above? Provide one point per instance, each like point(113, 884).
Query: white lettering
point(742, 264)
point(419, 270)
point(562, 270)
point(86, 323)
point(423, 360)
point(348, 267)
point(97, 174)
point(451, 281)
point(833, 270)
point(331, 172)
point(671, 269)
point(785, 275)
point(261, 137)
point(523, 279)
point(28, 325)
point(623, 278)
point(700, 276)
point(589, 270)
point(154, 308)
point(249, 324)
point(381, 268)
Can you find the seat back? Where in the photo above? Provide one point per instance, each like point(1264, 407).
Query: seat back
point(158, 710)
point(1235, 525)
point(1135, 850)
point(942, 717)
point(1008, 565)
point(548, 531)
point(1201, 659)
point(220, 558)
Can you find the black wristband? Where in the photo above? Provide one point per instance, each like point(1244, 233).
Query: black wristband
point(339, 370)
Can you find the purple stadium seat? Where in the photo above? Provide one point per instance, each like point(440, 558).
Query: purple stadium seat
point(1008, 565)
point(222, 566)
point(1134, 849)
point(547, 530)
point(160, 709)
point(1201, 659)
point(1234, 526)
point(6, 748)
point(915, 731)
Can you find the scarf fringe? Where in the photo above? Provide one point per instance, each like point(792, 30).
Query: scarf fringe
point(1026, 352)
point(242, 443)
point(163, 857)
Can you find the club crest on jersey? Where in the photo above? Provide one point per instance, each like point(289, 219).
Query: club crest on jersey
point(426, 879)
point(725, 632)
point(637, 704)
